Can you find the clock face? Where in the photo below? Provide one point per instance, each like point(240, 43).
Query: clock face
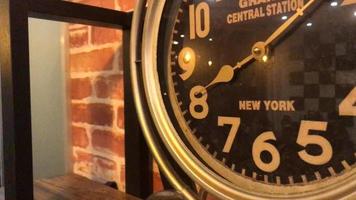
point(258, 101)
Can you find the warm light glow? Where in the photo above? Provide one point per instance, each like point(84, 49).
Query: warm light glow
point(182, 36)
point(210, 63)
point(334, 3)
point(355, 13)
point(187, 57)
point(265, 58)
point(257, 50)
point(175, 42)
point(284, 17)
point(309, 24)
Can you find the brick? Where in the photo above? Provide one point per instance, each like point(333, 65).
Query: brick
point(155, 166)
point(122, 175)
point(81, 156)
point(126, 5)
point(157, 182)
point(109, 4)
point(121, 117)
point(96, 114)
point(110, 87)
point(102, 35)
point(211, 198)
point(109, 141)
point(79, 137)
point(120, 59)
point(105, 163)
point(78, 37)
point(94, 166)
point(94, 61)
point(80, 88)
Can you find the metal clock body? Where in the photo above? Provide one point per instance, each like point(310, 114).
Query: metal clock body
point(253, 99)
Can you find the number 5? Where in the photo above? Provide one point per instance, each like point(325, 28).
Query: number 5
point(304, 139)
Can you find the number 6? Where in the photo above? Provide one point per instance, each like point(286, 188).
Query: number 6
point(261, 145)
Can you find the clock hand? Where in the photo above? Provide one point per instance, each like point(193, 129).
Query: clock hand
point(259, 49)
point(244, 62)
point(227, 72)
point(225, 75)
point(285, 25)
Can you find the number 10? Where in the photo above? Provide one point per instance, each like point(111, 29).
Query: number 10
point(196, 21)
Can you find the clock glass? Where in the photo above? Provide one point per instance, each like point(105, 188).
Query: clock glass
point(263, 92)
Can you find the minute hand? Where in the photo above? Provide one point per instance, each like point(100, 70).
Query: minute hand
point(226, 73)
point(289, 22)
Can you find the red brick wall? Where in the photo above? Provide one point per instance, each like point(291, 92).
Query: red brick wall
point(97, 99)
point(95, 66)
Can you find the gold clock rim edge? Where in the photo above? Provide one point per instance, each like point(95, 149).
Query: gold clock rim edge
point(151, 26)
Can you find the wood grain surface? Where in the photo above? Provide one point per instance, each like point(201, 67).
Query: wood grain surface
point(75, 187)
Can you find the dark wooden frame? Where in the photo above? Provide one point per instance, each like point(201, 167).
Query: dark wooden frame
point(15, 86)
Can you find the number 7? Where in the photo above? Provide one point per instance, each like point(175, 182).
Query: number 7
point(235, 124)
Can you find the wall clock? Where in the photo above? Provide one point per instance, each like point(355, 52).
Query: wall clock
point(253, 99)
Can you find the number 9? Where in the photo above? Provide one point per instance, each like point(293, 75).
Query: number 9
point(187, 61)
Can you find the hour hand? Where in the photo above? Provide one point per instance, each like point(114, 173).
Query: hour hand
point(226, 73)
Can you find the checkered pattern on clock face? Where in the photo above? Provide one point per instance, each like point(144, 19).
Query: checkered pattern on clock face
point(328, 72)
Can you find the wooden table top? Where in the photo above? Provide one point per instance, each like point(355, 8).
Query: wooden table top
point(73, 187)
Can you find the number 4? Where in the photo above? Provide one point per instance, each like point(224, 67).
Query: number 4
point(347, 106)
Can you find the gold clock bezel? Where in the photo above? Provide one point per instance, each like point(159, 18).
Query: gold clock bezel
point(341, 186)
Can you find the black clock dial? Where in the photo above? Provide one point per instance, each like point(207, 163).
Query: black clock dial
point(285, 116)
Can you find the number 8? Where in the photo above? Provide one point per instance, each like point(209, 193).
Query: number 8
point(199, 101)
